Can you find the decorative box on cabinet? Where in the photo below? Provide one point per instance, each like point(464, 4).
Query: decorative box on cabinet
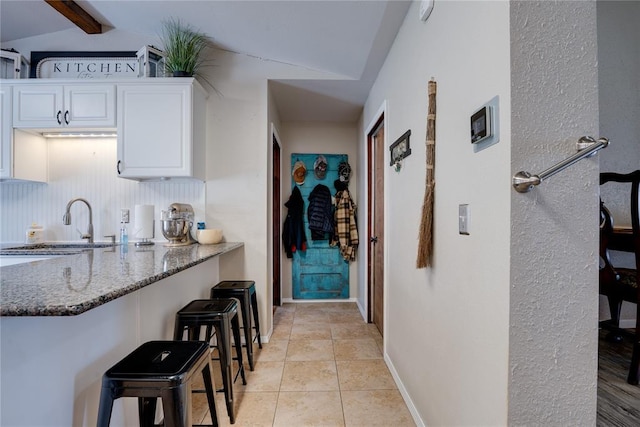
point(55, 106)
point(13, 65)
point(151, 62)
point(23, 156)
point(162, 129)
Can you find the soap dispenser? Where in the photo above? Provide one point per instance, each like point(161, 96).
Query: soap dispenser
point(124, 220)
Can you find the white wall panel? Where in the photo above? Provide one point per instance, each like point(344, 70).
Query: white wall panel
point(87, 168)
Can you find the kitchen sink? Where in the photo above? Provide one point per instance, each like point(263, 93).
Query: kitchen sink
point(21, 259)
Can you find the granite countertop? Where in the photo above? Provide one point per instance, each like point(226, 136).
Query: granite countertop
point(83, 279)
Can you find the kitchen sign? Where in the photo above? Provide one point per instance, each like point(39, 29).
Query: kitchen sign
point(84, 65)
point(87, 68)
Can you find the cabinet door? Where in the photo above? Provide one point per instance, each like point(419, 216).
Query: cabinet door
point(154, 131)
point(5, 131)
point(37, 106)
point(54, 106)
point(90, 106)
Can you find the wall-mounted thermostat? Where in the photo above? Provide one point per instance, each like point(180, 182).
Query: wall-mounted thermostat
point(481, 124)
point(485, 126)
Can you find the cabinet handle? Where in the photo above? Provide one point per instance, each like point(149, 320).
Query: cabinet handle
point(58, 117)
point(118, 167)
point(66, 117)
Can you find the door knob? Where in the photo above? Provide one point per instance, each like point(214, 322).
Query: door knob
point(374, 239)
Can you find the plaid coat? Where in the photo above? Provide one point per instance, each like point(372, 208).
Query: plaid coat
point(346, 228)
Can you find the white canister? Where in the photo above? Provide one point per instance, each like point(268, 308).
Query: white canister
point(35, 234)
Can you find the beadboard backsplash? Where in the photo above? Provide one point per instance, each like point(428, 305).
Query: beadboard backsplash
point(86, 168)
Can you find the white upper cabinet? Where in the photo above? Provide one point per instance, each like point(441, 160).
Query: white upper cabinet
point(23, 156)
point(54, 106)
point(161, 129)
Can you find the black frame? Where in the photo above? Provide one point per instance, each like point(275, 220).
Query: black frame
point(483, 115)
point(37, 56)
point(396, 151)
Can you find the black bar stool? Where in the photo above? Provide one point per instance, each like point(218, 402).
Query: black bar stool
point(245, 292)
point(222, 315)
point(159, 369)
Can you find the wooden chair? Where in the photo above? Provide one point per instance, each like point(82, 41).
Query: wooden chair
point(621, 284)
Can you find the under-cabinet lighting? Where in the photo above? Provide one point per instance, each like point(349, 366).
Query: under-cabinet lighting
point(79, 134)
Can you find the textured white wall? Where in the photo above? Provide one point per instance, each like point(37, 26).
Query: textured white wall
point(446, 330)
point(554, 228)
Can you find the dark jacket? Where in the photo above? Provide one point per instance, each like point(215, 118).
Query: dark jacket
point(320, 213)
point(293, 235)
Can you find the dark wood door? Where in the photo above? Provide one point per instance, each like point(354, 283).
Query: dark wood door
point(376, 225)
point(276, 242)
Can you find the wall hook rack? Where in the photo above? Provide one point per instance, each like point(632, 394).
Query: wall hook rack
point(524, 182)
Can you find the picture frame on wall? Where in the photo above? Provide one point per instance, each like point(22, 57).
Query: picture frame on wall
point(400, 149)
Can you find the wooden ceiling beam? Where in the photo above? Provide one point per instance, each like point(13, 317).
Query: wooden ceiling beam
point(74, 13)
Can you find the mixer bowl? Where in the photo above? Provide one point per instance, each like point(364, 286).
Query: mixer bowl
point(176, 230)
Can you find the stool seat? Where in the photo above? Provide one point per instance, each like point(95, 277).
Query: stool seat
point(159, 369)
point(245, 292)
point(220, 314)
point(151, 360)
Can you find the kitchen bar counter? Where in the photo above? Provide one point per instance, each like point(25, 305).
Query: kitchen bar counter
point(69, 285)
point(53, 357)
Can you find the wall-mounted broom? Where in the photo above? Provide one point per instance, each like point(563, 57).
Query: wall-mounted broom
point(425, 245)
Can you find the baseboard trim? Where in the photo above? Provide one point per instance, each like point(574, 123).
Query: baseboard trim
point(403, 392)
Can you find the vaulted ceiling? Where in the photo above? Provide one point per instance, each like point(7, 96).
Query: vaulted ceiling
point(349, 39)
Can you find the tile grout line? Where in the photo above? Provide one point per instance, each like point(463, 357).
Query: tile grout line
point(284, 363)
point(335, 362)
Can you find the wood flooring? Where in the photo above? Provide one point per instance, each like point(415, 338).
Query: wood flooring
point(618, 401)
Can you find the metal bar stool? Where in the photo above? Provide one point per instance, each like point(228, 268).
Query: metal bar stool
point(159, 369)
point(222, 315)
point(245, 292)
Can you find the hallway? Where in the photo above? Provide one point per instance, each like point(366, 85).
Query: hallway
point(323, 366)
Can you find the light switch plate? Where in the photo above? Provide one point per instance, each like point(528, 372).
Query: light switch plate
point(463, 219)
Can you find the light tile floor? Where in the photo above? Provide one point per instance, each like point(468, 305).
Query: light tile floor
point(322, 367)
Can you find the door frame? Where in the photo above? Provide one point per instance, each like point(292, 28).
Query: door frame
point(380, 117)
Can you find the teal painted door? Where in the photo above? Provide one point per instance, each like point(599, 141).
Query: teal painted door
point(320, 272)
